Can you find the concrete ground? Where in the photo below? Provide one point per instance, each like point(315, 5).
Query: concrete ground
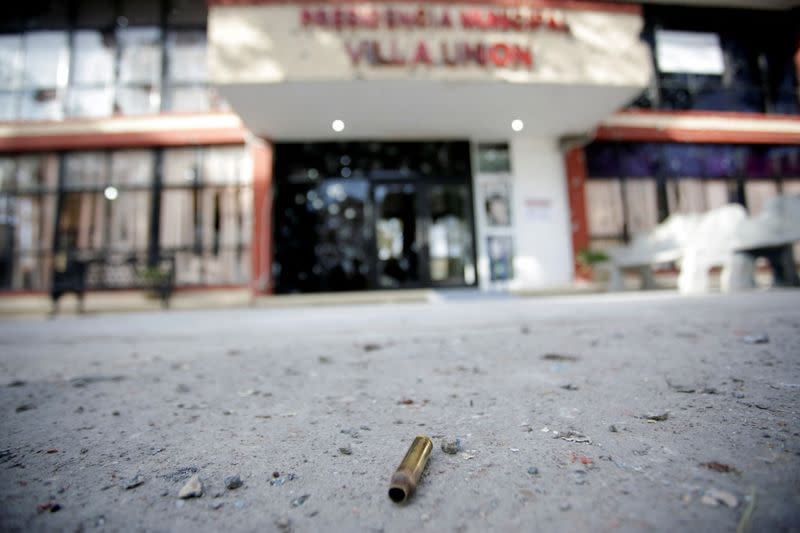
point(629, 412)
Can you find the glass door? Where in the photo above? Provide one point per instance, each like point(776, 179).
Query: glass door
point(397, 235)
point(450, 235)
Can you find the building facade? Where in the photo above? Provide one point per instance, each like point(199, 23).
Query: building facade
point(324, 146)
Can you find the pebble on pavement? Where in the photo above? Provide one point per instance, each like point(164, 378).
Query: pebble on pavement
point(192, 489)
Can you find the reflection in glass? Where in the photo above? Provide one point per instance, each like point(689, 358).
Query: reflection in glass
point(132, 168)
point(10, 61)
point(41, 104)
point(188, 99)
point(37, 173)
point(8, 178)
point(26, 234)
point(206, 214)
point(90, 102)
point(46, 60)
point(85, 170)
point(450, 235)
point(321, 243)
point(81, 225)
point(138, 100)
point(493, 158)
point(395, 224)
point(8, 106)
point(186, 56)
point(93, 63)
point(223, 165)
point(140, 56)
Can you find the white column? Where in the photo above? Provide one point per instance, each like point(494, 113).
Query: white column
point(540, 214)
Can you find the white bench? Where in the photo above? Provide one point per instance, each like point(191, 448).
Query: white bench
point(772, 234)
point(724, 237)
point(662, 244)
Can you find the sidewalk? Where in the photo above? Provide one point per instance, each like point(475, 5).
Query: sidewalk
point(628, 412)
point(12, 305)
point(134, 301)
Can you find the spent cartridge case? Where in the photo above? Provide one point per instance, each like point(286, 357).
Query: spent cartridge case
point(405, 479)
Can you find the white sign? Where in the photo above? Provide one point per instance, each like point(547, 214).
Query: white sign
point(686, 52)
point(537, 209)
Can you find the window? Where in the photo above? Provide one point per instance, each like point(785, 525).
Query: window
point(188, 12)
point(206, 214)
point(187, 71)
point(139, 13)
point(91, 94)
point(493, 158)
point(605, 211)
point(107, 58)
point(91, 221)
point(27, 220)
point(10, 61)
point(685, 178)
point(94, 14)
point(139, 71)
point(44, 76)
point(107, 209)
point(712, 59)
point(689, 53)
point(642, 205)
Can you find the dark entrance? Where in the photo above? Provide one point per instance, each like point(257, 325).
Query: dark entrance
point(355, 216)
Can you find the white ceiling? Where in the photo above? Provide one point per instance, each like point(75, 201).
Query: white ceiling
point(421, 109)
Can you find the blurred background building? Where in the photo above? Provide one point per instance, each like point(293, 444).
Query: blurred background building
point(321, 146)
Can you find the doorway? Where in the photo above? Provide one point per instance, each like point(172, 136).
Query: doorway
point(356, 216)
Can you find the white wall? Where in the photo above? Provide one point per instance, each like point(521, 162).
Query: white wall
point(540, 218)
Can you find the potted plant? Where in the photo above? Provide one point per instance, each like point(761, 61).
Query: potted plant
point(590, 264)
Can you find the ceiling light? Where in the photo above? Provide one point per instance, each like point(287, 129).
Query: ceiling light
point(337, 125)
point(517, 125)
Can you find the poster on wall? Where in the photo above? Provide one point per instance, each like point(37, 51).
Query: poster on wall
point(501, 257)
point(497, 204)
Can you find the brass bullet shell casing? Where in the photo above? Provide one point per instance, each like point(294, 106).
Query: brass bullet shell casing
point(405, 479)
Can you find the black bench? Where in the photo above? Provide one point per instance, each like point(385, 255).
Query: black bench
point(77, 273)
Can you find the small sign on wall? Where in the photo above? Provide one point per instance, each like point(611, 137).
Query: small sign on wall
point(536, 209)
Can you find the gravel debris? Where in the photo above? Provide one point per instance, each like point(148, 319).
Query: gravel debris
point(572, 436)
point(713, 497)
point(283, 523)
point(134, 482)
point(758, 338)
point(233, 482)
point(280, 480)
point(192, 489)
point(300, 500)
point(563, 358)
point(451, 446)
point(655, 417)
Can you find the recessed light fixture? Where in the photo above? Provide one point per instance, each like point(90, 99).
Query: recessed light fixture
point(517, 125)
point(337, 125)
point(111, 192)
